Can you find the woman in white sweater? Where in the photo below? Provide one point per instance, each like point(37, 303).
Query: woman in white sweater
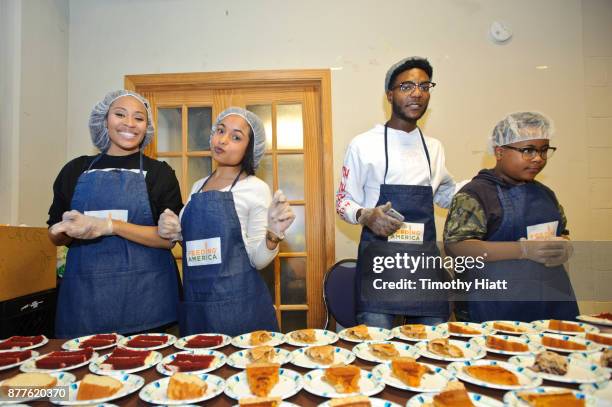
point(230, 228)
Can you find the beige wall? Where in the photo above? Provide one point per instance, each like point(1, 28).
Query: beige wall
point(34, 79)
point(478, 81)
point(10, 64)
point(597, 59)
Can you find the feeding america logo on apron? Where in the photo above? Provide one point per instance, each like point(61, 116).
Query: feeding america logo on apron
point(204, 252)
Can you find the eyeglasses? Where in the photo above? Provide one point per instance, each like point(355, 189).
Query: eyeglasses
point(529, 153)
point(409, 86)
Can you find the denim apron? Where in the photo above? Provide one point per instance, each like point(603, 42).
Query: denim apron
point(223, 292)
point(534, 290)
point(112, 284)
point(415, 203)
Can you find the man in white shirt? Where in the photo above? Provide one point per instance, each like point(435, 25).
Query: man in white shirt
point(395, 166)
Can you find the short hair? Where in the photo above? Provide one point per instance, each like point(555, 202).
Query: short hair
point(405, 65)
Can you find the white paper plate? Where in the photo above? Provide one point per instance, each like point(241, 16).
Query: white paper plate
point(433, 332)
point(483, 328)
point(131, 383)
point(240, 359)
point(33, 356)
point(430, 382)
point(591, 346)
point(593, 358)
point(526, 326)
point(169, 342)
point(471, 351)
point(369, 385)
point(512, 399)
point(289, 384)
point(527, 378)
point(533, 347)
point(477, 399)
point(282, 404)
point(578, 371)
point(341, 355)
point(594, 320)
point(323, 337)
point(362, 351)
point(36, 345)
point(542, 324)
point(63, 379)
point(94, 366)
point(244, 341)
point(73, 344)
point(601, 390)
point(30, 365)
point(182, 343)
point(377, 334)
point(220, 360)
point(155, 392)
point(376, 402)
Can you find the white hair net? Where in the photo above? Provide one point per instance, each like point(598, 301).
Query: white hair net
point(520, 126)
point(97, 119)
point(259, 132)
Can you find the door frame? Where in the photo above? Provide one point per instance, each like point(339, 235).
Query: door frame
point(320, 80)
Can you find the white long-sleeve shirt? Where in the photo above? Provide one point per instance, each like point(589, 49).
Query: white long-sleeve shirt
point(252, 198)
point(364, 169)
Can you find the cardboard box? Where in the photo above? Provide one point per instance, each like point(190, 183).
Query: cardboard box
point(27, 261)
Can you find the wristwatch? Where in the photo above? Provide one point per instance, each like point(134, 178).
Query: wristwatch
point(273, 237)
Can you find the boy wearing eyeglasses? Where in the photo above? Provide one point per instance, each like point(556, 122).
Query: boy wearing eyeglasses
point(517, 226)
point(391, 178)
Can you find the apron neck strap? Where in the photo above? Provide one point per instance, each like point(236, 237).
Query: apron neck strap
point(387, 153)
point(213, 173)
point(95, 160)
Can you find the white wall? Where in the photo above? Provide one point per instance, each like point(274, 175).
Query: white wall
point(597, 59)
point(34, 83)
point(478, 82)
point(10, 70)
point(43, 102)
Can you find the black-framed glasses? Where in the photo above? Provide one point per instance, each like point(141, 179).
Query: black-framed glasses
point(409, 86)
point(529, 153)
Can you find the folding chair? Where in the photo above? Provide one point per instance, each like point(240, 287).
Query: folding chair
point(339, 293)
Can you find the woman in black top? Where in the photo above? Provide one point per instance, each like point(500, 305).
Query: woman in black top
point(120, 275)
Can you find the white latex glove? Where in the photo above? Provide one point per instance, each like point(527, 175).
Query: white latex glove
point(378, 221)
point(551, 252)
point(79, 226)
point(568, 250)
point(169, 226)
point(280, 214)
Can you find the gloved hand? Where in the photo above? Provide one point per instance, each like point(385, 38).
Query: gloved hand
point(79, 226)
point(378, 221)
point(568, 250)
point(551, 252)
point(169, 226)
point(280, 215)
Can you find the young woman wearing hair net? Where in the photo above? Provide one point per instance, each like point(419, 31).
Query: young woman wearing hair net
point(230, 228)
point(520, 225)
point(120, 274)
